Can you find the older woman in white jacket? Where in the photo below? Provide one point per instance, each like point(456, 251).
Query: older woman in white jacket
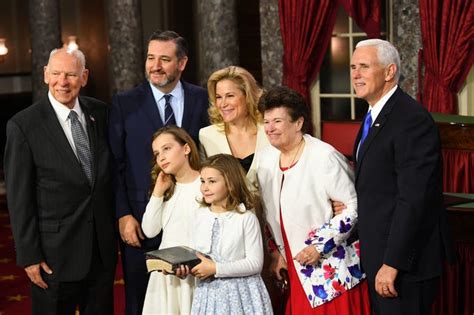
point(298, 177)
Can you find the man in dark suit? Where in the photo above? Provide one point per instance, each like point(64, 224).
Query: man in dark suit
point(59, 194)
point(135, 115)
point(402, 222)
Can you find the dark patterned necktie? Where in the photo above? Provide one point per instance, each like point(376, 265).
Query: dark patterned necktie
point(82, 145)
point(169, 114)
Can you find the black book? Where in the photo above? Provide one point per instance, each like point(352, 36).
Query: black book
point(168, 259)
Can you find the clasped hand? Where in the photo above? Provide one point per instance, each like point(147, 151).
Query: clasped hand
point(205, 269)
point(308, 256)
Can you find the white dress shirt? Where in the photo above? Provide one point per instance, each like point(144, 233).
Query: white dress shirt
point(62, 112)
point(177, 102)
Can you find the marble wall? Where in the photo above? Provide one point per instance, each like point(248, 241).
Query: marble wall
point(218, 38)
point(45, 36)
point(407, 38)
point(126, 54)
point(272, 47)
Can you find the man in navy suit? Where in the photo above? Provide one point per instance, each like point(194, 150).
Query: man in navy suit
point(134, 116)
point(402, 221)
point(60, 194)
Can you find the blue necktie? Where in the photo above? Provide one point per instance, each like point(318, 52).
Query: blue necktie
point(365, 130)
point(82, 145)
point(169, 114)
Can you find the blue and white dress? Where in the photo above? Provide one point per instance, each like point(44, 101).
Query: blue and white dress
point(228, 294)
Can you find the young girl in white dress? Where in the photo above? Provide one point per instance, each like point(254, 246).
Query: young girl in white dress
point(175, 175)
point(227, 231)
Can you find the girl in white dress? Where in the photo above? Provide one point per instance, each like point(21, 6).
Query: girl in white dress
point(171, 210)
point(228, 233)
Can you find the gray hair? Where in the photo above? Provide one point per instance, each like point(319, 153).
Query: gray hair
point(76, 53)
point(386, 53)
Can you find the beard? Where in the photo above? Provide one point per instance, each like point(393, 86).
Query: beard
point(169, 78)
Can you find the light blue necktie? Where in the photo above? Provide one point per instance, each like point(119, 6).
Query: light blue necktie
point(365, 130)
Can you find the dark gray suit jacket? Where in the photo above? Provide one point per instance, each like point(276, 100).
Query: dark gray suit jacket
point(402, 221)
point(54, 211)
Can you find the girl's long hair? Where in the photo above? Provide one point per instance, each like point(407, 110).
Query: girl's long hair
point(235, 181)
point(183, 138)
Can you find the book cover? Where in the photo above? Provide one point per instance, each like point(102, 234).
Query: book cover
point(168, 259)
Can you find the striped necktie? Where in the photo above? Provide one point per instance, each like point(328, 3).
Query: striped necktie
point(169, 114)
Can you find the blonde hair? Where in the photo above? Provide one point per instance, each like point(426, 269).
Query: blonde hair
point(235, 181)
point(245, 82)
point(183, 138)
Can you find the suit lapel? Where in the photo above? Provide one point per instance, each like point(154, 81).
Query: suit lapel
point(374, 130)
point(188, 107)
point(92, 134)
point(356, 143)
point(55, 134)
point(150, 107)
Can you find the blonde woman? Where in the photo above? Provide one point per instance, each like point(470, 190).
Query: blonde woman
point(236, 124)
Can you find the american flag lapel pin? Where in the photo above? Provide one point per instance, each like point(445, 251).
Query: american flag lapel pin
point(92, 118)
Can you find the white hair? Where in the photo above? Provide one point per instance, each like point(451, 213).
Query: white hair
point(76, 53)
point(386, 53)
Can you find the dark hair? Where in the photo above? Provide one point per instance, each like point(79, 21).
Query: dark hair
point(235, 181)
point(183, 138)
point(166, 36)
point(282, 96)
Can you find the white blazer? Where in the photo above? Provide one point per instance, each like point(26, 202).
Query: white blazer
point(214, 141)
point(304, 197)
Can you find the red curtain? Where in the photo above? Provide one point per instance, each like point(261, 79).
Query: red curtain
point(456, 290)
point(458, 170)
point(366, 14)
point(306, 29)
point(447, 32)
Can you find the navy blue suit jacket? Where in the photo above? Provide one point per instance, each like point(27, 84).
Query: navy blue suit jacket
point(133, 120)
point(402, 221)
